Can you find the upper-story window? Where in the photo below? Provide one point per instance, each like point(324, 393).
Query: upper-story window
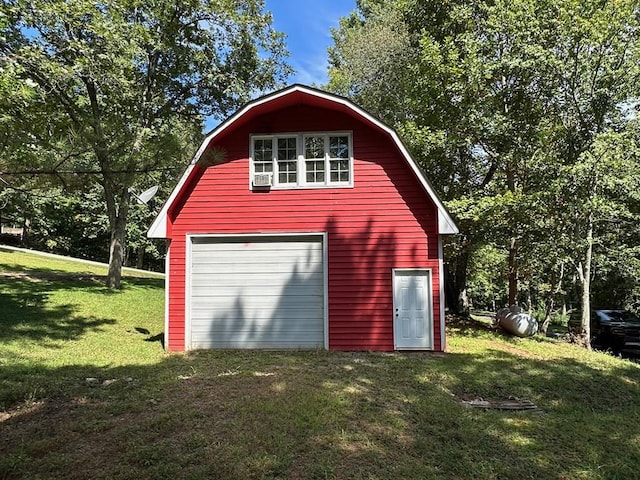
point(263, 155)
point(305, 160)
point(287, 160)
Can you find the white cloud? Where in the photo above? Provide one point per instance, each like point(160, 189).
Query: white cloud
point(311, 70)
point(308, 28)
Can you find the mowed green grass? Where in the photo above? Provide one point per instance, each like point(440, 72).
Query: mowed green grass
point(304, 415)
point(57, 314)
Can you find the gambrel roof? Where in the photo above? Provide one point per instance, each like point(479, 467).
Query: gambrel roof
point(296, 94)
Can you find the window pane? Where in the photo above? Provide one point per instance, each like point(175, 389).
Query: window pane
point(287, 172)
point(315, 171)
point(339, 147)
point(339, 170)
point(315, 177)
point(263, 155)
point(285, 177)
point(314, 147)
point(287, 149)
point(262, 150)
point(263, 167)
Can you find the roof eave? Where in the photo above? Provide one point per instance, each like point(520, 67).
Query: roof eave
point(446, 225)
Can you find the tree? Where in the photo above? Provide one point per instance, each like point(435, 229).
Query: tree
point(590, 147)
point(466, 77)
point(514, 110)
point(122, 76)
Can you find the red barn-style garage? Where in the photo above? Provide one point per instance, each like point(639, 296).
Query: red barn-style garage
point(303, 222)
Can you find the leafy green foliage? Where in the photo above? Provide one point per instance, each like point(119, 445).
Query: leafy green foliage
point(519, 112)
point(487, 278)
point(120, 86)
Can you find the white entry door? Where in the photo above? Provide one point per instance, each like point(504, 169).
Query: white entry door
point(413, 317)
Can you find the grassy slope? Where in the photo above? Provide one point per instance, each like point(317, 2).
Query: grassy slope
point(287, 415)
point(57, 315)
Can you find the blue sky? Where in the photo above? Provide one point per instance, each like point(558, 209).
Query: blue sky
point(308, 24)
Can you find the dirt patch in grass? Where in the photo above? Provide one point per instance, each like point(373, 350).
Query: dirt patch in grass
point(465, 323)
point(36, 276)
point(518, 352)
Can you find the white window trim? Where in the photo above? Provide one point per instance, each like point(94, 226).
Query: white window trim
point(301, 165)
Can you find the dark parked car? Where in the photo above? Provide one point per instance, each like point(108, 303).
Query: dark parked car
point(612, 329)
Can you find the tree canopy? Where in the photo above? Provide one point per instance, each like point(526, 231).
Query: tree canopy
point(521, 112)
point(118, 89)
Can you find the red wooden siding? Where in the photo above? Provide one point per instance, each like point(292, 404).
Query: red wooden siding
point(385, 221)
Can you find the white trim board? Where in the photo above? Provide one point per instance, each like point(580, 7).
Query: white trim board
point(321, 236)
point(446, 225)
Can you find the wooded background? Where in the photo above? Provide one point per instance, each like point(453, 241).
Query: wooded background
point(523, 113)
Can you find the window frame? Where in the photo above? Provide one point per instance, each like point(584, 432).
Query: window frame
point(263, 163)
point(277, 162)
point(301, 165)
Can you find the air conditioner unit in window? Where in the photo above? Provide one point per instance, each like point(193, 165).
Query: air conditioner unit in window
point(262, 179)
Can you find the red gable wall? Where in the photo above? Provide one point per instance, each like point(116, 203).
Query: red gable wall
point(385, 221)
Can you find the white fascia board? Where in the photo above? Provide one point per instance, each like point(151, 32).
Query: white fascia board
point(167, 267)
point(158, 228)
point(441, 281)
point(446, 225)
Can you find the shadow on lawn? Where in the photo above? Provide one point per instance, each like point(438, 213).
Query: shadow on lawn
point(25, 310)
point(326, 415)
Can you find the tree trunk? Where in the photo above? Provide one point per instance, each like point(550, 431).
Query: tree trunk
point(513, 272)
point(116, 195)
point(585, 279)
point(118, 212)
point(547, 315)
point(140, 257)
point(456, 283)
point(512, 259)
point(116, 254)
point(551, 302)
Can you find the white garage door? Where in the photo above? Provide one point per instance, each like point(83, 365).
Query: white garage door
point(256, 292)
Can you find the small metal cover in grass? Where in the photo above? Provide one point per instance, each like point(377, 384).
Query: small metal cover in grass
point(512, 403)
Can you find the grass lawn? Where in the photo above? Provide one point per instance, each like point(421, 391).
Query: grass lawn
point(86, 391)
